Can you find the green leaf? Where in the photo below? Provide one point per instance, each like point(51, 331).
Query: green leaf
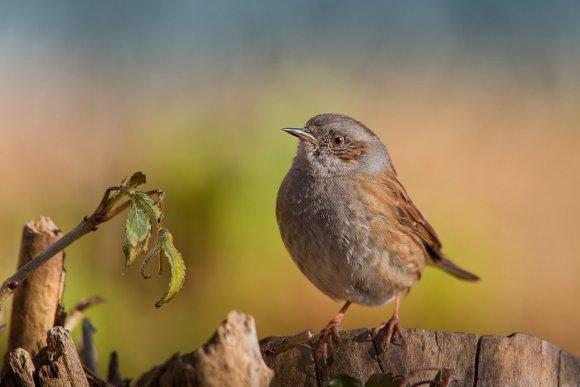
point(137, 232)
point(152, 253)
point(345, 381)
point(176, 263)
point(149, 204)
point(137, 179)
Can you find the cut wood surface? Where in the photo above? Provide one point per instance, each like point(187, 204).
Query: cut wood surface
point(234, 357)
point(516, 360)
point(36, 300)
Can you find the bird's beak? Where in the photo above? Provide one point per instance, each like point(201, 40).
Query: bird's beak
point(302, 133)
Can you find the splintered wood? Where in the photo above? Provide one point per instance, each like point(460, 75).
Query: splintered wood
point(233, 357)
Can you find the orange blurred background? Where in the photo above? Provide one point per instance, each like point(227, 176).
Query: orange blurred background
point(478, 105)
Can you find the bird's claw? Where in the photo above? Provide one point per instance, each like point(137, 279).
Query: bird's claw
point(390, 329)
point(331, 330)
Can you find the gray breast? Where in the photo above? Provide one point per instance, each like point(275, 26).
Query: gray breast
point(328, 236)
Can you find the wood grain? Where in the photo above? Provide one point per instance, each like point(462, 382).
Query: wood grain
point(233, 357)
point(36, 300)
point(58, 364)
point(516, 360)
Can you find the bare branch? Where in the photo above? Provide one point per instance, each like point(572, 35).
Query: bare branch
point(103, 213)
point(78, 311)
point(12, 282)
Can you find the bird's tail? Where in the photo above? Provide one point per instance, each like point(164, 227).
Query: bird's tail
point(446, 264)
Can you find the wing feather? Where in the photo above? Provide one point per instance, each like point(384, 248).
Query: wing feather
point(411, 218)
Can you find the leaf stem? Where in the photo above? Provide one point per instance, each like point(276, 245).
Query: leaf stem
point(104, 212)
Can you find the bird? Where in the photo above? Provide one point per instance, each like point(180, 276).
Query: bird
point(349, 224)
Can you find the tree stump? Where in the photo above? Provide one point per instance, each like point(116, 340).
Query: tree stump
point(516, 360)
point(234, 357)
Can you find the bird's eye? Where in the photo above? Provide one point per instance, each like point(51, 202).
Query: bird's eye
point(338, 140)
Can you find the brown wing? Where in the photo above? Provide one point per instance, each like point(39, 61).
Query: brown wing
point(410, 217)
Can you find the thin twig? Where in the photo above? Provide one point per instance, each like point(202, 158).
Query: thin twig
point(77, 312)
point(103, 213)
point(272, 345)
point(12, 282)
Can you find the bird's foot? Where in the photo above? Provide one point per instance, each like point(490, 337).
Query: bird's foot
point(327, 335)
point(390, 329)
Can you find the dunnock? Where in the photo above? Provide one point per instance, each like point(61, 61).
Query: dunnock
point(348, 223)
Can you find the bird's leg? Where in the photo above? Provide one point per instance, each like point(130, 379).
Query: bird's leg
point(332, 328)
point(391, 327)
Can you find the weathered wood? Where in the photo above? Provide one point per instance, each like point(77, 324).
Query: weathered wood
point(569, 372)
point(36, 300)
point(94, 380)
point(517, 360)
point(231, 357)
point(58, 364)
point(427, 349)
point(273, 345)
point(353, 354)
point(294, 367)
point(18, 369)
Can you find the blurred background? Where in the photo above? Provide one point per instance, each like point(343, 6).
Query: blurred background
point(478, 103)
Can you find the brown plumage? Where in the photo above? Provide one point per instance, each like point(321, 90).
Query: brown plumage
point(349, 224)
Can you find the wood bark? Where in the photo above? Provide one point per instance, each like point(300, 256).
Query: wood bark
point(232, 357)
point(36, 300)
point(57, 364)
point(516, 360)
point(18, 369)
